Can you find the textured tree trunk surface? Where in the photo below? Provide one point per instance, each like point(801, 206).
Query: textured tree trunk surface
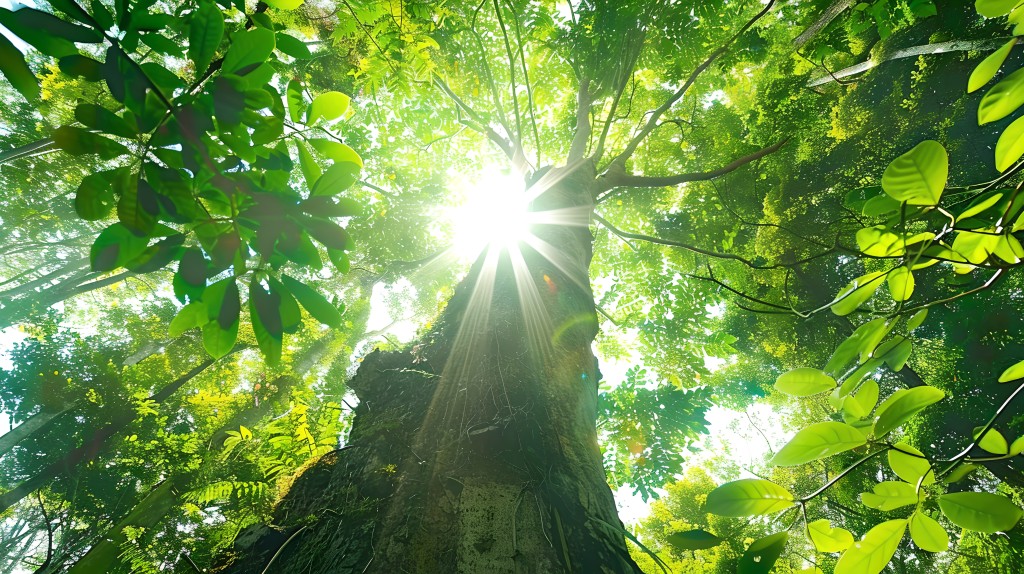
point(476, 450)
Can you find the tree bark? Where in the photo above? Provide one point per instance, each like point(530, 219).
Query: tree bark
point(475, 451)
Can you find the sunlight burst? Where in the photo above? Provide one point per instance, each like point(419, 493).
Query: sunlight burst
point(494, 213)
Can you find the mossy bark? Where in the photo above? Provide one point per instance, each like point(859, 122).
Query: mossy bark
point(476, 450)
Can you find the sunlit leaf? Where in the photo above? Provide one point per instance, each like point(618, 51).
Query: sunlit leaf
point(918, 177)
point(804, 382)
point(693, 540)
point(910, 464)
point(902, 405)
point(762, 554)
point(828, 539)
point(989, 67)
point(1014, 372)
point(819, 440)
point(870, 554)
point(927, 533)
point(748, 497)
point(329, 106)
point(980, 511)
point(889, 495)
point(993, 441)
point(1002, 99)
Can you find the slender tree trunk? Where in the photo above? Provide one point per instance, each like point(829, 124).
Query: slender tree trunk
point(30, 427)
point(476, 450)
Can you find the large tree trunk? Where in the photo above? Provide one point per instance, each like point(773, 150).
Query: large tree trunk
point(476, 450)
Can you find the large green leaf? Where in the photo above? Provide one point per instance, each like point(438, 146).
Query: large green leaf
point(819, 440)
point(980, 511)
point(762, 554)
point(1002, 99)
point(205, 31)
point(989, 67)
point(17, 72)
point(77, 141)
point(857, 292)
point(870, 554)
point(285, 4)
point(315, 303)
point(95, 196)
point(336, 179)
point(336, 151)
point(901, 283)
point(115, 246)
point(265, 314)
point(889, 495)
point(329, 106)
point(693, 540)
point(191, 315)
point(100, 118)
point(993, 441)
point(918, 177)
point(828, 539)
point(902, 405)
point(138, 206)
point(994, 8)
point(1012, 373)
point(748, 497)
point(293, 46)
point(804, 382)
point(248, 47)
point(910, 464)
point(927, 533)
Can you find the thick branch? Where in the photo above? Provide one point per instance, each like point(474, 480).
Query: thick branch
point(582, 135)
point(618, 178)
point(830, 13)
point(913, 51)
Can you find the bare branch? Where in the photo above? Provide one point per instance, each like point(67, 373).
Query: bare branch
point(517, 141)
point(481, 124)
point(618, 178)
point(655, 116)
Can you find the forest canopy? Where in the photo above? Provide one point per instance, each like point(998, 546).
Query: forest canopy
point(511, 286)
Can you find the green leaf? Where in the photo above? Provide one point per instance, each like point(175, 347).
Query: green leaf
point(817, 441)
point(1010, 146)
point(205, 31)
point(910, 464)
point(1002, 99)
point(870, 554)
point(291, 315)
point(330, 234)
point(980, 511)
point(217, 340)
point(1014, 372)
point(693, 540)
point(989, 67)
point(285, 4)
point(762, 554)
point(248, 47)
point(901, 283)
point(856, 293)
point(191, 315)
point(994, 8)
point(329, 106)
point(100, 118)
point(138, 206)
point(1018, 446)
point(45, 23)
point(902, 405)
point(114, 247)
point(317, 306)
point(960, 472)
point(927, 533)
point(78, 66)
point(77, 141)
point(310, 169)
point(95, 197)
point(16, 70)
point(993, 441)
point(804, 382)
point(828, 539)
point(293, 46)
point(918, 177)
point(296, 103)
point(336, 179)
point(889, 495)
point(748, 497)
point(917, 319)
point(265, 314)
point(336, 151)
